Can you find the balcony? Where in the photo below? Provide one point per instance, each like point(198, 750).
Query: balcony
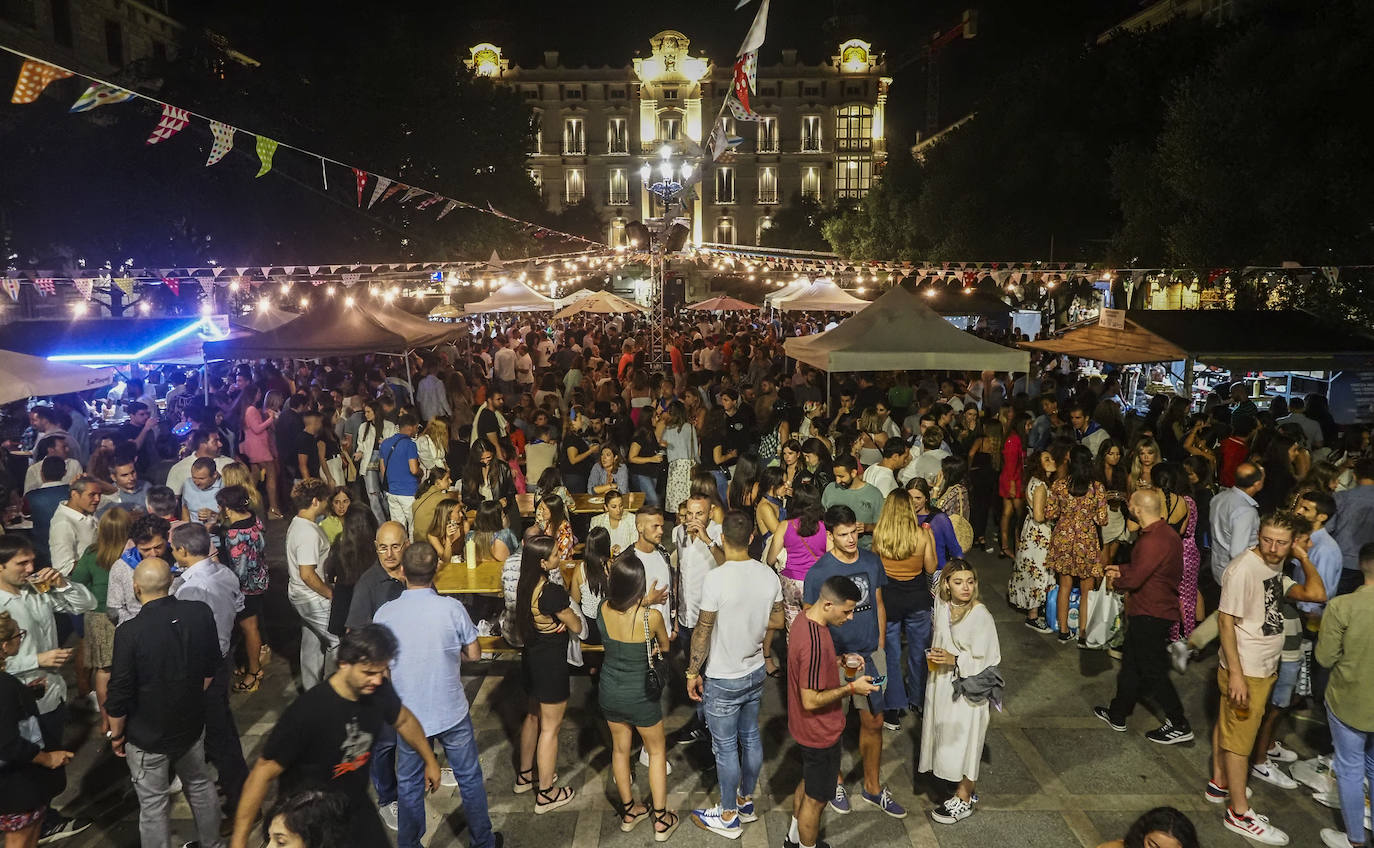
point(618, 198)
point(768, 196)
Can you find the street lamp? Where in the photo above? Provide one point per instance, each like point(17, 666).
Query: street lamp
point(666, 235)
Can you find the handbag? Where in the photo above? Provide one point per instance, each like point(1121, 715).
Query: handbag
point(657, 676)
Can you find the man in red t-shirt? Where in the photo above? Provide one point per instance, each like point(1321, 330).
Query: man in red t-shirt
point(815, 716)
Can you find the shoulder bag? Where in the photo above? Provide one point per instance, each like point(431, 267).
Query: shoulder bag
point(657, 675)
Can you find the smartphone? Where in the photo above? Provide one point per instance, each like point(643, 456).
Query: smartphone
point(880, 680)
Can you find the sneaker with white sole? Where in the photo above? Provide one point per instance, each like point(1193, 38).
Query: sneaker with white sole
point(1333, 838)
point(840, 803)
point(1271, 773)
point(1220, 794)
point(1255, 827)
point(883, 801)
point(1280, 754)
point(745, 808)
point(1170, 734)
point(1178, 655)
point(711, 820)
point(1106, 715)
point(644, 760)
point(447, 777)
point(175, 787)
point(952, 811)
point(389, 813)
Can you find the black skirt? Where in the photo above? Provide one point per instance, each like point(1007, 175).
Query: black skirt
point(544, 668)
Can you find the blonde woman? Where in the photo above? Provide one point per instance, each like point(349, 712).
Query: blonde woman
point(1144, 458)
point(432, 445)
point(93, 571)
point(965, 682)
point(907, 551)
point(238, 474)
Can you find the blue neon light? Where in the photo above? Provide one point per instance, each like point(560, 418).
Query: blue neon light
point(136, 356)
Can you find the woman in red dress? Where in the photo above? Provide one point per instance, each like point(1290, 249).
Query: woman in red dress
point(1009, 483)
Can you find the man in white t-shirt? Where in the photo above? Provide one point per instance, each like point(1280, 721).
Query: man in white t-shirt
point(306, 549)
point(1251, 621)
point(657, 575)
point(741, 610)
point(503, 366)
point(697, 540)
point(883, 476)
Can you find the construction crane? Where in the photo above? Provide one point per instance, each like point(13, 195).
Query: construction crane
point(930, 54)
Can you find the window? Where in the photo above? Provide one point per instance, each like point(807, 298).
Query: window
point(537, 180)
point(768, 185)
point(725, 185)
point(811, 184)
point(670, 129)
point(768, 91)
point(574, 189)
point(670, 94)
point(728, 125)
point(768, 135)
point(617, 234)
point(617, 94)
point(811, 134)
point(853, 90)
point(854, 128)
point(853, 176)
point(114, 43)
point(573, 94)
point(617, 136)
point(725, 231)
point(765, 224)
point(62, 22)
point(537, 132)
point(574, 139)
point(811, 91)
point(531, 94)
point(619, 193)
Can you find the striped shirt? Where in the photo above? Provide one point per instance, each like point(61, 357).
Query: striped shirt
point(811, 664)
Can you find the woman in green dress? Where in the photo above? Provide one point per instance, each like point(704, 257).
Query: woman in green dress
point(628, 624)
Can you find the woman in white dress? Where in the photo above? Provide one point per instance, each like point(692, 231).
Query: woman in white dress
point(1030, 581)
point(619, 523)
point(964, 646)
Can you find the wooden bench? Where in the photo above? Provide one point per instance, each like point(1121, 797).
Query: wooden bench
point(501, 649)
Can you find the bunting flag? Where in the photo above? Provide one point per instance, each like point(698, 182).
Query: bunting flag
point(224, 142)
point(411, 194)
point(394, 188)
point(173, 121)
point(11, 288)
point(741, 110)
point(126, 285)
point(361, 177)
point(448, 207)
point(207, 285)
point(753, 39)
point(377, 190)
point(45, 286)
point(350, 279)
point(428, 201)
point(85, 286)
point(33, 78)
point(100, 94)
point(173, 285)
point(266, 148)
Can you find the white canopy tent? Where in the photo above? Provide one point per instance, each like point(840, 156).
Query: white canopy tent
point(599, 303)
point(23, 376)
point(897, 332)
point(821, 296)
point(513, 296)
point(265, 317)
point(772, 298)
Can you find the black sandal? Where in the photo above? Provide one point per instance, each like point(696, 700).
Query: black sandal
point(524, 784)
point(552, 798)
point(662, 817)
point(635, 818)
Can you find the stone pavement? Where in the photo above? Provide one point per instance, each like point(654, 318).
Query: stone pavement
point(1053, 775)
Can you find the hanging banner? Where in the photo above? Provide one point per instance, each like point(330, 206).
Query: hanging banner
point(45, 286)
point(266, 149)
point(377, 190)
point(428, 201)
point(224, 142)
point(84, 286)
point(99, 95)
point(33, 78)
point(11, 288)
point(389, 192)
point(753, 39)
point(361, 177)
point(411, 194)
point(173, 285)
point(173, 121)
point(126, 285)
point(448, 207)
point(207, 285)
point(350, 279)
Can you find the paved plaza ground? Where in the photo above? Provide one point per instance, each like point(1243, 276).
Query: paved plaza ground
point(1053, 775)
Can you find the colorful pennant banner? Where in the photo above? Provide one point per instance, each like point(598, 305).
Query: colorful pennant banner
point(173, 121)
point(33, 78)
point(101, 94)
point(267, 148)
point(223, 135)
point(11, 288)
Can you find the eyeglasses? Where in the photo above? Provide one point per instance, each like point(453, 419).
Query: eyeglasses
point(398, 547)
point(18, 634)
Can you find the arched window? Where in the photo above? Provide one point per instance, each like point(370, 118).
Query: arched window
point(854, 128)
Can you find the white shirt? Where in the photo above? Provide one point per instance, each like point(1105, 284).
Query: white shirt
point(742, 595)
point(927, 465)
point(70, 534)
point(503, 364)
point(178, 474)
point(881, 478)
point(624, 536)
point(306, 544)
point(432, 397)
point(33, 612)
point(33, 477)
point(694, 562)
point(656, 571)
point(218, 588)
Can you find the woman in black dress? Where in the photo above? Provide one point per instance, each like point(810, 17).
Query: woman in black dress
point(29, 776)
point(544, 617)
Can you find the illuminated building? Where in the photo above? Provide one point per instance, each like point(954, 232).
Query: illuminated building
point(822, 134)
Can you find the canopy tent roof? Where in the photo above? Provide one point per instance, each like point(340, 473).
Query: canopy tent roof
point(330, 328)
point(265, 317)
point(721, 304)
point(514, 296)
point(897, 332)
point(965, 303)
point(1253, 339)
point(446, 310)
point(418, 332)
point(772, 298)
point(118, 341)
point(575, 296)
point(599, 303)
point(23, 376)
point(821, 296)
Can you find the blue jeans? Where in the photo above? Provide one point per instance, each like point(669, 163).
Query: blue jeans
point(732, 714)
point(648, 485)
point(1352, 763)
point(383, 764)
point(916, 626)
point(722, 485)
point(460, 744)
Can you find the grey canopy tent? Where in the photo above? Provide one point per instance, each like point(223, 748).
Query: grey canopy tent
point(330, 328)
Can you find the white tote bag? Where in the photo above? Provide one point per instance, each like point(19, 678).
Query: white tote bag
point(1104, 609)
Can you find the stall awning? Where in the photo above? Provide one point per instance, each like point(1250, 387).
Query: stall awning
point(118, 341)
point(329, 328)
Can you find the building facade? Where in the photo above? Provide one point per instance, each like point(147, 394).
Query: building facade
point(94, 36)
point(821, 135)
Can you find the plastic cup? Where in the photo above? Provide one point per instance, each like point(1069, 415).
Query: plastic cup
point(40, 586)
point(930, 662)
point(852, 664)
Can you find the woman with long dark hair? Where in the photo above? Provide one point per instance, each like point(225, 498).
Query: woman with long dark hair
point(494, 542)
point(543, 617)
point(374, 429)
point(1030, 581)
point(1010, 481)
point(487, 478)
point(1180, 512)
point(951, 487)
point(628, 627)
point(1077, 506)
point(351, 554)
point(551, 519)
point(434, 489)
point(242, 549)
point(646, 459)
point(817, 464)
point(803, 539)
point(1162, 827)
point(1280, 479)
point(679, 439)
point(742, 492)
point(1111, 473)
point(259, 441)
point(447, 528)
point(947, 545)
point(985, 466)
point(589, 583)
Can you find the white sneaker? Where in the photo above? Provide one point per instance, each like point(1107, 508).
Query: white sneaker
point(174, 788)
point(1271, 773)
point(1333, 838)
point(1178, 654)
point(952, 811)
point(447, 778)
point(644, 760)
point(1254, 826)
point(1279, 754)
point(388, 812)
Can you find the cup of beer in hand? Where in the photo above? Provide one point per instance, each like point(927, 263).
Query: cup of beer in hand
point(852, 664)
point(40, 585)
point(931, 665)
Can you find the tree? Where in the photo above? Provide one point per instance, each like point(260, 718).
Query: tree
point(797, 226)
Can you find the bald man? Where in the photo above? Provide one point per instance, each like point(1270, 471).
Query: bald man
point(1235, 518)
point(1150, 581)
point(164, 658)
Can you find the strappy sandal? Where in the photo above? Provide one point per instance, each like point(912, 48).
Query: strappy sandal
point(662, 817)
point(274, 514)
point(552, 798)
point(249, 683)
point(264, 655)
point(627, 825)
point(524, 781)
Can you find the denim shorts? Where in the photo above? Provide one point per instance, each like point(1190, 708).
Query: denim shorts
point(1287, 683)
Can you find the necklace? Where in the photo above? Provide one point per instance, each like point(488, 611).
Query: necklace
point(958, 611)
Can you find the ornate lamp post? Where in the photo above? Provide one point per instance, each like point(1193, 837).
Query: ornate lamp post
point(668, 180)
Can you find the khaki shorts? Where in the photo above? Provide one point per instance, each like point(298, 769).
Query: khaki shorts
point(875, 666)
point(1238, 734)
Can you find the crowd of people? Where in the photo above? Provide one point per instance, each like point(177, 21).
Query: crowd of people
point(777, 530)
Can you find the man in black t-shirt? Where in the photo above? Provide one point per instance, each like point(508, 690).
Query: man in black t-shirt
point(324, 739)
point(308, 445)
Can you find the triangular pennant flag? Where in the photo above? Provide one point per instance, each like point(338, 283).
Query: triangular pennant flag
point(173, 121)
point(361, 177)
point(173, 285)
point(428, 201)
point(84, 285)
point(266, 270)
point(11, 288)
point(382, 183)
point(411, 194)
point(741, 111)
point(350, 279)
point(266, 148)
point(753, 39)
point(100, 94)
point(218, 269)
point(290, 269)
point(448, 207)
point(395, 188)
point(1331, 273)
point(224, 142)
point(33, 78)
point(126, 285)
point(45, 286)
point(242, 271)
point(207, 285)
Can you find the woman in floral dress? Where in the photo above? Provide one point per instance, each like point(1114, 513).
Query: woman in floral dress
point(1180, 511)
point(1077, 506)
point(1030, 581)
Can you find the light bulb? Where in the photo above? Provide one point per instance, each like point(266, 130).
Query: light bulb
point(686, 171)
point(665, 151)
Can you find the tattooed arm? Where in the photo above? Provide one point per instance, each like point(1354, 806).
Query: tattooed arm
point(701, 646)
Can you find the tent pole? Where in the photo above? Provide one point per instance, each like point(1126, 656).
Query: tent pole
point(409, 381)
point(1188, 381)
point(205, 381)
